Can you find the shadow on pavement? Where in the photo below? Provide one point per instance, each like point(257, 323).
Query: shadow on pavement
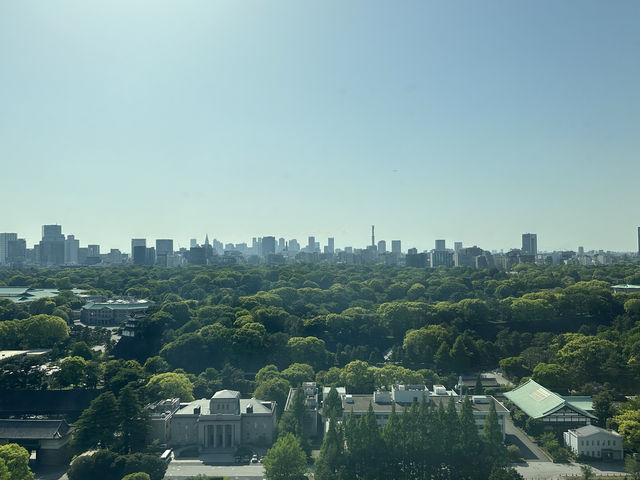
point(524, 450)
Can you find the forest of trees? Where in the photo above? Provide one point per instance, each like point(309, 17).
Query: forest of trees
point(261, 330)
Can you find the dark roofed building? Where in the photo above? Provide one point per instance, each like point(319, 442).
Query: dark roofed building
point(112, 313)
point(49, 438)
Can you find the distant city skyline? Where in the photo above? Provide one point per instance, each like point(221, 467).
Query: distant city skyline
point(125, 245)
point(466, 121)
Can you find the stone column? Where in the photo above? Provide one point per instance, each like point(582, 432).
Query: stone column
point(224, 436)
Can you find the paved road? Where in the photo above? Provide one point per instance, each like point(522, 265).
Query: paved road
point(528, 449)
point(560, 471)
point(181, 469)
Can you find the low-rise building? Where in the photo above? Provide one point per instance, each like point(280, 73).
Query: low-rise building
point(596, 442)
point(555, 411)
point(383, 402)
point(310, 427)
point(49, 438)
point(112, 313)
point(219, 424)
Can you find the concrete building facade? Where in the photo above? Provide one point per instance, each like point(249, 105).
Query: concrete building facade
point(595, 442)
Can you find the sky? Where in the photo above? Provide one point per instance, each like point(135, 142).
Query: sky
point(463, 120)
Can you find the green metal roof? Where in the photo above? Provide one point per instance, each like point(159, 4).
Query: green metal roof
point(583, 403)
point(537, 401)
point(118, 306)
point(13, 291)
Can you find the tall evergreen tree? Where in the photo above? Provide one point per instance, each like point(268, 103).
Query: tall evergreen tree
point(495, 451)
point(135, 421)
point(330, 462)
point(332, 405)
point(98, 423)
point(394, 438)
point(468, 445)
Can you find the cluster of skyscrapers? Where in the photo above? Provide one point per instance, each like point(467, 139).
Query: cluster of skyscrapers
point(56, 249)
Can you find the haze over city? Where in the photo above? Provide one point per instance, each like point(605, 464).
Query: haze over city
point(470, 121)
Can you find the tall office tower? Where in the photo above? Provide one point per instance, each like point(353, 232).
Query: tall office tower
point(164, 246)
point(268, 246)
point(193, 243)
point(382, 246)
point(150, 256)
point(52, 245)
point(94, 250)
point(457, 246)
point(281, 244)
point(441, 245)
point(138, 250)
point(396, 246)
point(71, 247)
point(529, 243)
point(581, 250)
point(373, 235)
point(311, 245)
point(5, 238)
point(206, 239)
point(294, 246)
point(218, 247)
point(17, 252)
point(331, 247)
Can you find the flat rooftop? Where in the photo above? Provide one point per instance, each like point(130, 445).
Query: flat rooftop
point(361, 404)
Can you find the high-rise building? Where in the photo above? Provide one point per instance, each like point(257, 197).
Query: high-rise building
point(441, 245)
point(442, 257)
point(638, 241)
point(331, 247)
point(52, 245)
point(17, 252)
point(457, 246)
point(71, 247)
point(268, 246)
point(139, 251)
point(150, 256)
point(5, 238)
point(529, 243)
point(94, 250)
point(311, 244)
point(193, 242)
point(164, 246)
point(294, 246)
point(396, 246)
point(581, 249)
point(382, 246)
point(281, 244)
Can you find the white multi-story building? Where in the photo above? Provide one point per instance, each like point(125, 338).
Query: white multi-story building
point(596, 442)
point(221, 423)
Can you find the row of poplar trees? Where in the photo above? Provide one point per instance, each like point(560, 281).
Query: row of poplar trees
point(422, 442)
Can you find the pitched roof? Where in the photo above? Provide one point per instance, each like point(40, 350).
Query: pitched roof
point(537, 401)
point(33, 429)
point(13, 291)
point(588, 430)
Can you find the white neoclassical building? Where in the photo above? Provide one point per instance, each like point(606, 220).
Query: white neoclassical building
point(223, 422)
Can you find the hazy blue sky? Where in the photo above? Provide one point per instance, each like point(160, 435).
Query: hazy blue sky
point(466, 120)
